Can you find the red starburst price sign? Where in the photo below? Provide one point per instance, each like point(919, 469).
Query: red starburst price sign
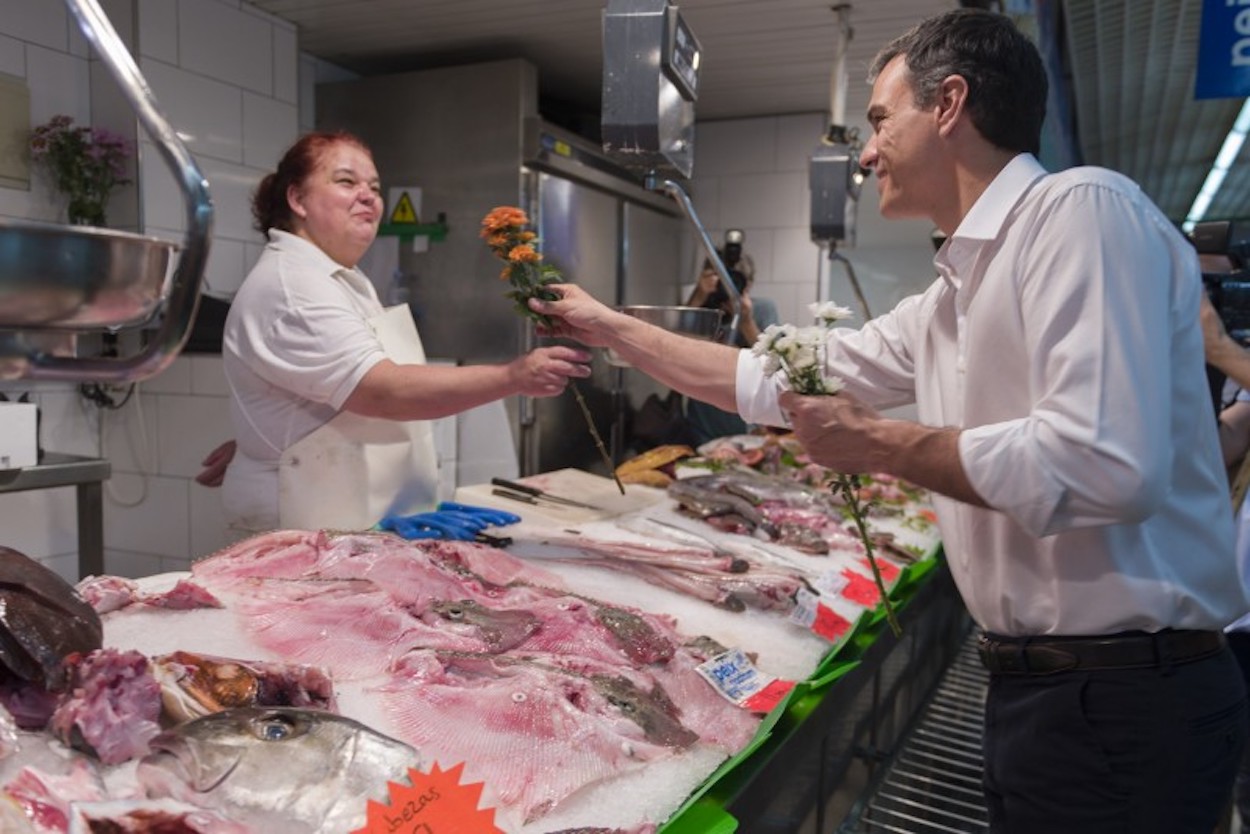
point(435, 803)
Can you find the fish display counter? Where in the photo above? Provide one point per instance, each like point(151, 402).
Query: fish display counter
point(561, 656)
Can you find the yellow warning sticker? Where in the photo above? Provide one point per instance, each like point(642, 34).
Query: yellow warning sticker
point(404, 211)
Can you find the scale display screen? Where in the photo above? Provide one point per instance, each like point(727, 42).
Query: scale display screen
point(682, 56)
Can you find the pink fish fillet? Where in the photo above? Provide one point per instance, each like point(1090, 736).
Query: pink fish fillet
point(533, 735)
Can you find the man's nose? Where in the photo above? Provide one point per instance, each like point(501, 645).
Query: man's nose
point(868, 156)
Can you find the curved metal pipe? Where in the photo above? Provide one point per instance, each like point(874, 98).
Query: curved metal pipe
point(672, 189)
point(184, 291)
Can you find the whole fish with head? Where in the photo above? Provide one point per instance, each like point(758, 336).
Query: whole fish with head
point(281, 770)
point(533, 731)
point(703, 497)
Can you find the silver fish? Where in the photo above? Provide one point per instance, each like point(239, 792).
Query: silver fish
point(278, 769)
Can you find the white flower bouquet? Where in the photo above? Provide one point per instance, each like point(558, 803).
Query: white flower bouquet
point(798, 353)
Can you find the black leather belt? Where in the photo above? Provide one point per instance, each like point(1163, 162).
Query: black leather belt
point(1130, 650)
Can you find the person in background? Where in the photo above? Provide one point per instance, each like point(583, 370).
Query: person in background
point(706, 421)
point(1056, 365)
point(1232, 360)
point(330, 392)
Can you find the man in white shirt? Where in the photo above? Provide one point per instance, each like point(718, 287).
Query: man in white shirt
point(1056, 366)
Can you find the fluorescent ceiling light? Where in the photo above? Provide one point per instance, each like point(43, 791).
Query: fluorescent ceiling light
point(1223, 161)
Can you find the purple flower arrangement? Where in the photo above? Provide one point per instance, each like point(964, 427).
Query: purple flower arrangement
point(85, 164)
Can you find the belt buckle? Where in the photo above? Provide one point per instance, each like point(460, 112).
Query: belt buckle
point(1003, 658)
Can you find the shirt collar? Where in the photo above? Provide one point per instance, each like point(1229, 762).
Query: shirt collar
point(986, 217)
point(287, 242)
point(984, 221)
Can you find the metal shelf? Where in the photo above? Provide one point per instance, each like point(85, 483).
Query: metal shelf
point(933, 783)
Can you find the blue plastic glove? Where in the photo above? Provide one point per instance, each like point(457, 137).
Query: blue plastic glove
point(494, 517)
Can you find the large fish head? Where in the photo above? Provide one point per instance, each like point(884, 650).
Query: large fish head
point(652, 711)
point(640, 642)
point(283, 761)
point(43, 621)
point(499, 629)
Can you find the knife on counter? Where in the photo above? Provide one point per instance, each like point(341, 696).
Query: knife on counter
point(534, 494)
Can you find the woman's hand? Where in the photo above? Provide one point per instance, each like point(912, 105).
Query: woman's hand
point(545, 372)
point(215, 464)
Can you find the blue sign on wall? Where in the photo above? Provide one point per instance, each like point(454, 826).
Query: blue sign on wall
point(1224, 50)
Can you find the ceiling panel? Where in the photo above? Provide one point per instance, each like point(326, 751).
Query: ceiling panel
point(1133, 70)
point(1132, 65)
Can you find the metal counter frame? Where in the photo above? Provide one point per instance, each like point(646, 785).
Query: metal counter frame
point(87, 475)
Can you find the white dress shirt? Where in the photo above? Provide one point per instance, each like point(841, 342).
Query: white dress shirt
point(1062, 336)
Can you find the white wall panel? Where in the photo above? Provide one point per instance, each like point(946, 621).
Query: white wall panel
point(188, 429)
point(209, 532)
point(285, 65)
point(764, 200)
point(12, 56)
point(232, 187)
point(67, 423)
point(269, 127)
point(225, 270)
point(130, 434)
point(175, 379)
point(208, 114)
point(45, 22)
point(146, 514)
point(59, 83)
point(226, 44)
point(734, 146)
point(797, 137)
point(207, 377)
point(158, 30)
point(40, 523)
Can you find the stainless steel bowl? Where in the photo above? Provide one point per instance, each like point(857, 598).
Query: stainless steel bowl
point(696, 322)
point(78, 277)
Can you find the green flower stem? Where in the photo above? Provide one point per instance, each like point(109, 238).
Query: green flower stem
point(594, 432)
point(846, 485)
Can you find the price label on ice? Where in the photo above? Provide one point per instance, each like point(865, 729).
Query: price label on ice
point(734, 676)
point(830, 582)
point(813, 614)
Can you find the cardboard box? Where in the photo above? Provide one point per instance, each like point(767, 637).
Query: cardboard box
point(19, 440)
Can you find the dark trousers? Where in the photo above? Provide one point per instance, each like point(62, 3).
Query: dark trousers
point(1137, 751)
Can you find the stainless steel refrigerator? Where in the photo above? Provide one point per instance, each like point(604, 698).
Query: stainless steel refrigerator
point(470, 137)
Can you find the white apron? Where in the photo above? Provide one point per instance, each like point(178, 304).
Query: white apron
point(354, 470)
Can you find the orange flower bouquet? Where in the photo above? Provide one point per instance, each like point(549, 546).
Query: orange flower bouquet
point(504, 230)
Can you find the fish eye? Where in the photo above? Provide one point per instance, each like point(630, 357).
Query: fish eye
point(457, 610)
point(275, 728)
point(622, 704)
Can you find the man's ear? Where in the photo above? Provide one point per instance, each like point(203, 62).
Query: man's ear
point(952, 101)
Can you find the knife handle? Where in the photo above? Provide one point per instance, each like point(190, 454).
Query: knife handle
point(514, 496)
point(515, 487)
